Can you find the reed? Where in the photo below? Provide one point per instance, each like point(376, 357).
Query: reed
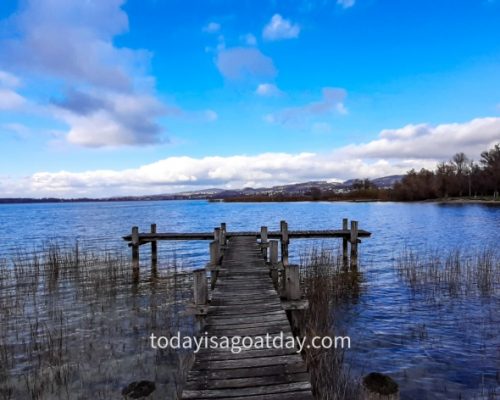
point(74, 324)
point(452, 274)
point(327, 286)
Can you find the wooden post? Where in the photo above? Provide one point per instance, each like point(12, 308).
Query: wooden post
point(223, 234)
point(292, 282)
point(200, 289)
point(214, 253)
point(354, 245)
point(135, 246)
point(214, 262)
point(345, 258)
point(264, 244)
point(284, 243)
point(154, 248)
point(135, 253)
point(273, 260)
point(273, 252)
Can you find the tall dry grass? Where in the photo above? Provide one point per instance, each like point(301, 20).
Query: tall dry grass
point(451, 273)
point(75, 325)
point(327, 287)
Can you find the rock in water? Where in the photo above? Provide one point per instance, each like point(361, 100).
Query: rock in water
point(139, 389)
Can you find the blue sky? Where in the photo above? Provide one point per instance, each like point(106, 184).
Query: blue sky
point(112, 97)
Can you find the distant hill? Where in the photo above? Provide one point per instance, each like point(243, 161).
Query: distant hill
point(385, 182)
point(294, 189)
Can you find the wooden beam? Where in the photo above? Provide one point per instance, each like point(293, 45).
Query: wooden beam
point(339, 233)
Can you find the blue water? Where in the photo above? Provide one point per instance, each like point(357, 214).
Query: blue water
point(459, 351)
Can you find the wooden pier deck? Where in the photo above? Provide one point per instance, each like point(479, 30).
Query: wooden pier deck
point(245, 303)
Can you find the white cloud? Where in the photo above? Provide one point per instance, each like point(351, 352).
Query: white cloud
point(73, 42)
point(10, 100)
point(268, 90)
point(346, 3)
point(177, 173)
point(242, 62)
point(395, 152)
point(211, 27)
point(332, 103)
point(9, 80)
point(425, 141)
point(109, 118)
point(279, 28)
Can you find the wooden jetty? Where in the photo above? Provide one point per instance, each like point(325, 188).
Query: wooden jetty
point(252, 293)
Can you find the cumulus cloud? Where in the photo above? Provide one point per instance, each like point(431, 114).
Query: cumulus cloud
point(178, 173)
point(110, 118)
point(279, 28)
point(332, 102)
point(346, 3)
point(395, 152)
point(242, 63)
point(9, 80)
point(73, 42)
point(268, 90)
point(10, 99)
point(424, 141)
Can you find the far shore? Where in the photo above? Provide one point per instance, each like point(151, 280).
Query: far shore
point(250, 199)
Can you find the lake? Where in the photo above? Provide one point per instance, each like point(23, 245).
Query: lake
point(433, 349)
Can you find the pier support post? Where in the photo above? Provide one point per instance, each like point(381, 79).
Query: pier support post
point(154, 249)
point(200, 291)
point(354, 245)
point(264, 244)
point(214, 253)
point(345, 258)
point(273, 259)
point(223, 231)
point(284, 243)
point(135, 253)
point(214, 262)
point(273, 252)
point(293, 282)
point(200, 296)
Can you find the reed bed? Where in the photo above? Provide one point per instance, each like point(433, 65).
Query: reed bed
point(75, 325)
point(328, 286)
point(452, 274)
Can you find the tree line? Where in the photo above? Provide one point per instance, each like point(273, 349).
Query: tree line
point(458, 177)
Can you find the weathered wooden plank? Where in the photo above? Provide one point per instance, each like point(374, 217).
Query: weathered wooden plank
point(261, 319)
point(222, 374)
point(248, 382)
point(252, 391)
point(251, 362)
point(303, 395)
point(224, 354)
